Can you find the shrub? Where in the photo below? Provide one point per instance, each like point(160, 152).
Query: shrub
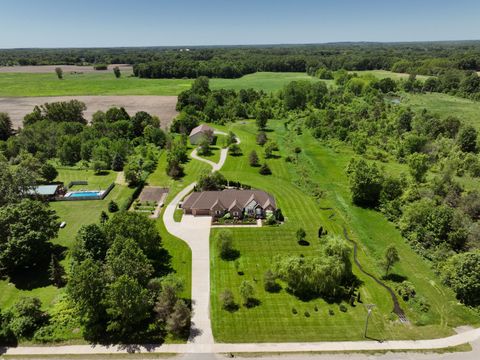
point(269, 282)
point(342, 308)
point(228, 301)
point(265, 170)
point(112, 206)
point(307, 314)
point(330, 312)
point(315, 308)
point(406, 290)
point(294, 311)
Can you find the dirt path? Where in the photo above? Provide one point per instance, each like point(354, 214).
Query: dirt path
point(161, 106)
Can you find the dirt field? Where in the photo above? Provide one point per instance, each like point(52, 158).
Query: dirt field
point(66, 69)
point(161, 106)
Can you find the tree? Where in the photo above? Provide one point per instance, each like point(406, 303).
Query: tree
point(253, 159)
point(117, 162)
point(321, 275)
point(133, 173)
point(6, 129)
point(170, 288)
point(174, 169)
point(99, 167)
point(262, 138)
point(365, 183)
point(59, 72)
point(300, 234)
point(269, 149)
point(126, 258)
point(178, 322)
point(418, 166)
point(141, 230)
point(247, 292)
point(265, 170)
point(262, 118)
point(26, 316)
point(127, 304)
point(117, 72)
point(235, 150)
point(204, 146)
point(25, 231)
point(211, 181)
point(103, 217)
point(269, 282)
point(56, 272)
point(16, 182)
point(225, 245)
point(228, 300)
point(48, 172)
point(467, 139)
point(462, 273)
point(85, 288)
point(112, 206)
point(231, 138)
point(90, 242)
point(390, 258)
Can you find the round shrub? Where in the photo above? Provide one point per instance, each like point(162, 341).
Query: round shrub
point(294, 311)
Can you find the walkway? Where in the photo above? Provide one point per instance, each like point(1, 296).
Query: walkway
point(198, 348)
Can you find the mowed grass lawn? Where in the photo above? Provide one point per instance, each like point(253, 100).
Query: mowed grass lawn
point(273, 319)
point(24, 84)
point(75, 214)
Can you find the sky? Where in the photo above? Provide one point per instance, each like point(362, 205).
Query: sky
point(111, 23)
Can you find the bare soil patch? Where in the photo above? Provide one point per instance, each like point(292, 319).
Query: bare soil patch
point(161, 106)
point(39, 69)
point(153, 193)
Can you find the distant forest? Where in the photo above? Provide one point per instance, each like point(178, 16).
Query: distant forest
point(428, 58)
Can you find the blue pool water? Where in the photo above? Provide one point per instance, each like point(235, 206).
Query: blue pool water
point(85, 194)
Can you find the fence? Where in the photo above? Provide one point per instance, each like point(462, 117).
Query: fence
point(82, 198)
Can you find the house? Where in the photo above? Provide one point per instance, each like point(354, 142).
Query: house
point(237, 203)
point(200, 132)
point(48, 192)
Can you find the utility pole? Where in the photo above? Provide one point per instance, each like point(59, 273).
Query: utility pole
point(369, 312)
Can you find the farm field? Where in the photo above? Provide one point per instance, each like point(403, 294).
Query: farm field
point(38, 84)
point(274, 319)
point(161, 106)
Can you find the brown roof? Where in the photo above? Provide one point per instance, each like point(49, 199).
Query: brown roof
point(201, 129)
point(206, 200)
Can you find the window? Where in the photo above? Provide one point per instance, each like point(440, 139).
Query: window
point(218, 212)
point(235, 213)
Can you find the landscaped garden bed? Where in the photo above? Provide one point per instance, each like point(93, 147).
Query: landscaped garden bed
point(245, 221)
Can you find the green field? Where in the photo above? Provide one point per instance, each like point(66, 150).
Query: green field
point(274, 320)
point(446, 105)
point(25, 84)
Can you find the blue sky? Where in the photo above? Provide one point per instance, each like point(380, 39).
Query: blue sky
point(88, 23)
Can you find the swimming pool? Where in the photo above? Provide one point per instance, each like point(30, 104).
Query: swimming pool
point(85, 194)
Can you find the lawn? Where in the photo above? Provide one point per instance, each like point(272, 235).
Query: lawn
point(446, 105)
point(273, 319)
point(75, 214)
point(25, 84)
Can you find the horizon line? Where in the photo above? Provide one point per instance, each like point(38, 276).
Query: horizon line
point(242, 45)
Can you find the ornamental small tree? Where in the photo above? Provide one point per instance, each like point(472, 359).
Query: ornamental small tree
point(117, 72)
point(265, 170)
point(112, 206)
point(59, 73)
point(253, 159)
